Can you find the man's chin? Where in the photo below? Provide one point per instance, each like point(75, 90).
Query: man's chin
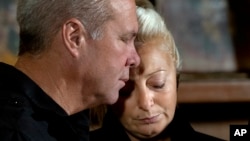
point(112, 99)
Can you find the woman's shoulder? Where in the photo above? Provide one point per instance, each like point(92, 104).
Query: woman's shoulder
point(204, 137)
point(181, 128)
point(108, 135)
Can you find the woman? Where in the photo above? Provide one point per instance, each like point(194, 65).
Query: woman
point(146, 109)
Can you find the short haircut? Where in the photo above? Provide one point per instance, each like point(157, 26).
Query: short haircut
point(40, 20)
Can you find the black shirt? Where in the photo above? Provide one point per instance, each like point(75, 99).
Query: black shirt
point(27, 113)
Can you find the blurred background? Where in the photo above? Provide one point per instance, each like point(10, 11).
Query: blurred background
point(213, 37)
point(9, 39)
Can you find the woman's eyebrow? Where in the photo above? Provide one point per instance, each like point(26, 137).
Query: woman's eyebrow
point(160, 70)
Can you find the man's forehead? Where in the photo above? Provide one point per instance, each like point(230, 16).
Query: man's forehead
point(123, 5)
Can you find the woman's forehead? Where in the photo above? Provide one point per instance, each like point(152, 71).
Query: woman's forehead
point(153, 59)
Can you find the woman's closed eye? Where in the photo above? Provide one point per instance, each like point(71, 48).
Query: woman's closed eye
point(156, 83)
point(158, 86)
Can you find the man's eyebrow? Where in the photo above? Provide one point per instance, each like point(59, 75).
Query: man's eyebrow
point(130, 34)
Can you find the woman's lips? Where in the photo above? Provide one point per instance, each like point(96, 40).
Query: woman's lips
point(150, 120)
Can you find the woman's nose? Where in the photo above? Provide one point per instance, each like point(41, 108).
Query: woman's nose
point(145, 100)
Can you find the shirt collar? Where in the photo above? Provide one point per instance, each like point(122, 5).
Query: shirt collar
point(23, 84)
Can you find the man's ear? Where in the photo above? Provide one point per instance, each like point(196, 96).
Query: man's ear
point(74, 36)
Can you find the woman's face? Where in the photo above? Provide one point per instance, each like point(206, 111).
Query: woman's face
point(147, 103)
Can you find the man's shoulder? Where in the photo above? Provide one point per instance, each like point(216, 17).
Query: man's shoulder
point(13, 105)
point(97, 134)
point(14, 108)
point(12, 98)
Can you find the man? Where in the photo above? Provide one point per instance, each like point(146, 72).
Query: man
point(73, 55)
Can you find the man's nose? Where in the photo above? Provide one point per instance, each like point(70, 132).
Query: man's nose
point(133, 60)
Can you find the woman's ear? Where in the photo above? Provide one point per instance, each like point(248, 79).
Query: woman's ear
point(74, 36)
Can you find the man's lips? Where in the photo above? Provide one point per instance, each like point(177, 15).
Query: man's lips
point(124, 80)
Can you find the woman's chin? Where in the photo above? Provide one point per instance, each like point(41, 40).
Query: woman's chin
point(147, 134)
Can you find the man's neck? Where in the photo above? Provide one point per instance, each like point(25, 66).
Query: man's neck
point(52, 80)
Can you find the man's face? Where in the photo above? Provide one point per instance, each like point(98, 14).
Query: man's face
point(113, 54)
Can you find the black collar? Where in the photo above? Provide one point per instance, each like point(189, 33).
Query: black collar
point(16, 81)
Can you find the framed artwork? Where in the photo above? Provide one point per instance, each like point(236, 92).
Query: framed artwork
point(201, 29)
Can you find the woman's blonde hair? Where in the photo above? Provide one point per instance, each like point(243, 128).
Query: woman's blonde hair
point(152, 26)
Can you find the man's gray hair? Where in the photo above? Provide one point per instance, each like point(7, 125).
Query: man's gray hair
point(40, 20)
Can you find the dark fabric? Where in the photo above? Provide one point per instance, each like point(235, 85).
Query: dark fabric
point(178, 130)
point(28, 114)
